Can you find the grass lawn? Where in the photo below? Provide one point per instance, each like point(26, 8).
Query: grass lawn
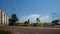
point(4, 32)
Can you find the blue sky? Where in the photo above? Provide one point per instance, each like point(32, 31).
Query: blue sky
point(31, 9)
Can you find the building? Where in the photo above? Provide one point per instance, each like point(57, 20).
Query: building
point(4, 19)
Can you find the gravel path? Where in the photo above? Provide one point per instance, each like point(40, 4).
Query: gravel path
point(31, 30)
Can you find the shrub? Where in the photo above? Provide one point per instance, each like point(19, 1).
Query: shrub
point(34, 24)
point(46, 24)
point(40, 24)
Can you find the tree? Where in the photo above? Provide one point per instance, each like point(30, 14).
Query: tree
point(27, 22)
point(10, 22)
point(14, 18)
point(37, 20)
point(54, 22)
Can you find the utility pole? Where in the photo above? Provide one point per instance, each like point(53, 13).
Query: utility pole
point(53, 15)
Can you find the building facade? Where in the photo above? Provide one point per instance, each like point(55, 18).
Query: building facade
point(4, 19)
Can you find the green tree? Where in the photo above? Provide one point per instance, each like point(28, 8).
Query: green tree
point(14, 18)
point(37, 20)
point(54, 22)
point(25, 22)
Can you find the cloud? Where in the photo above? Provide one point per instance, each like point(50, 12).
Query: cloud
point(46, 18)
point(33, 17)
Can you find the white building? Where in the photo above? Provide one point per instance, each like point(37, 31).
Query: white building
point(4, 19)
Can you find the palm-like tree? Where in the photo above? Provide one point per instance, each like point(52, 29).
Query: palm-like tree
point(37, 20)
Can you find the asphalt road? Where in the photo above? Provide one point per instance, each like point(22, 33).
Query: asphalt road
point(31, 30)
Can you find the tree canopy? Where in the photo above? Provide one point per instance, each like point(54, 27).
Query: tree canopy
point(55, 21)
point(13, 19)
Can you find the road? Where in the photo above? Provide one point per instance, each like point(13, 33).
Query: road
point(31, 30)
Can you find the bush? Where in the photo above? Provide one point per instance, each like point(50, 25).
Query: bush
point(46, 24)
point(43, 24)
point(34, 24)
point(40, 24)
point(20, 24)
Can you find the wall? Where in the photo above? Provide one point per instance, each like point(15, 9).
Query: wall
point(4, 18)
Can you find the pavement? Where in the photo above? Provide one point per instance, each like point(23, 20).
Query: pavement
point(31, 30)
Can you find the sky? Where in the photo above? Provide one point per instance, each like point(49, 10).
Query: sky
point(32, 9)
